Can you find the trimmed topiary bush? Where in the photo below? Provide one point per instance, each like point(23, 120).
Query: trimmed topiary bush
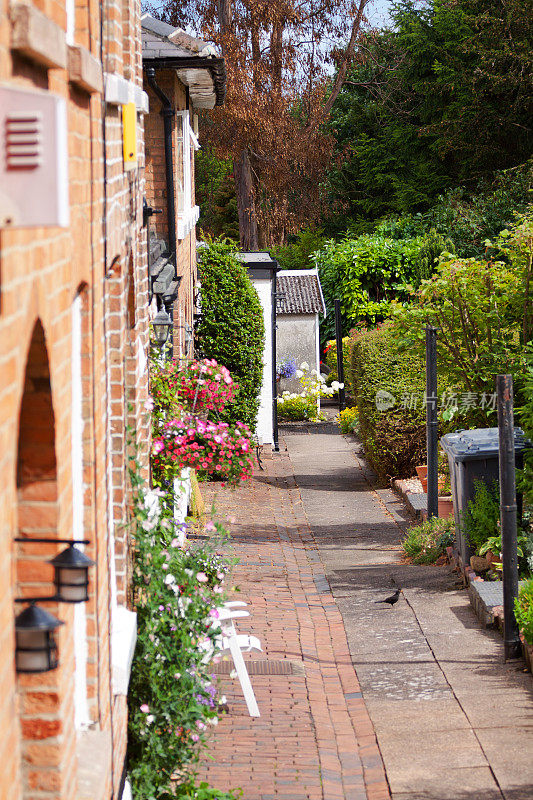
point(231, 329)
point(388, 387)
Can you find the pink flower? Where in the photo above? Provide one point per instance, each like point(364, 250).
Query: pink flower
point(157, 446)
point(145, 708)
point(213, 612)
point(149, 404)
point(201, 577)
point(195, 737)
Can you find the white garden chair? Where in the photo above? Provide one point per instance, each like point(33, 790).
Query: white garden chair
point(229, 642)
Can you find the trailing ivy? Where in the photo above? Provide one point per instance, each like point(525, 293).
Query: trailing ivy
point(231, 329)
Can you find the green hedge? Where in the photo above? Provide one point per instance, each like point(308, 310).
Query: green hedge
point(231, 329)
point(394, 440)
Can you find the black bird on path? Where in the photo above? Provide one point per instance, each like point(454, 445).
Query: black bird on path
point(392, 599)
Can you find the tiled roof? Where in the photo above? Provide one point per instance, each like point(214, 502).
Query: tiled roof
point(160, 40)
point(202, 68)
point(300, 293)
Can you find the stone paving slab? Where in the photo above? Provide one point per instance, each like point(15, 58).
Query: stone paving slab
point(453, 721)
point(314, 739)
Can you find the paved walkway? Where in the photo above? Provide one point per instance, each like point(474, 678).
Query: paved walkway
point(317, 539)
point(453, 721)
point(314, 738)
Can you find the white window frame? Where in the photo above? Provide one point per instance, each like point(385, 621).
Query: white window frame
point(188, 214)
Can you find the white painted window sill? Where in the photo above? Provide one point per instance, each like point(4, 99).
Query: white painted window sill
point(123, 641)
point(187, 221)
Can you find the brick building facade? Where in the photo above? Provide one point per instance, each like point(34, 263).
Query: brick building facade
point(74, 298)
point(182, 76)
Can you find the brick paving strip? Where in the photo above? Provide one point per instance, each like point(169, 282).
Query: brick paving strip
point(314, 738)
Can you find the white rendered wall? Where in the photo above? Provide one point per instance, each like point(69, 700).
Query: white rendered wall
point(263, 287)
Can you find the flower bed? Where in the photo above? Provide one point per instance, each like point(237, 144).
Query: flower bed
point(304, 405)
point(172, 696)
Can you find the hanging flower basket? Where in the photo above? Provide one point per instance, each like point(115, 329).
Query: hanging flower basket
point(199, 387)
point(212, 448)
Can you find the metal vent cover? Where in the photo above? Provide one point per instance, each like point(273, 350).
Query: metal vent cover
point(24, 140)
point(261, 667)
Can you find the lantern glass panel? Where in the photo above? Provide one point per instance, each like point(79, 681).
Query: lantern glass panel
point(36, 651)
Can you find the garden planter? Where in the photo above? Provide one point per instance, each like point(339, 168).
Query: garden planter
point(479, 563)
point(422, 472)
point(445, 506)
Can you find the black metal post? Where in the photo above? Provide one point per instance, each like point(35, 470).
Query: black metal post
point(275, 434)
point(340, 361)
point(431, 421)
point(511, 637)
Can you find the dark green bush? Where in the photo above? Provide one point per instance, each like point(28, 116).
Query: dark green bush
point(231, 329)
point(394, 439)
point(523, 610)
point(480, 521)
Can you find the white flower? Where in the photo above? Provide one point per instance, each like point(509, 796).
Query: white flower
point(149, 719)
point(299, 373)
point(212, 721)
point(304, 365)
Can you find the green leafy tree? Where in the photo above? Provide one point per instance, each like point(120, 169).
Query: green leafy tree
point(231, 329)
point(298, 254)
point(441, 99)
point(215, 194)
point(367, 272)
point(482, 309)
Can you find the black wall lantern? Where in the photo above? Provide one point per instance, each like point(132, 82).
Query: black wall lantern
point(36, 648)
point(161, 325)
point(72, 575)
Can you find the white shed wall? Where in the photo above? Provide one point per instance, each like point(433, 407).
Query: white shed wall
point(263, 287)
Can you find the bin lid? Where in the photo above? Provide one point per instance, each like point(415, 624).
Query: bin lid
point(479, 443)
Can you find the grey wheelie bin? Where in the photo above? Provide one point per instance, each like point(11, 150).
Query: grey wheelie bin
point(473, 456)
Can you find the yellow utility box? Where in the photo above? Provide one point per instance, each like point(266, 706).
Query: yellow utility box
point(129, 135)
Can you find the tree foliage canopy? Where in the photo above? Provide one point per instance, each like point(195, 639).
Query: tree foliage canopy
point(280, 55)
point(441, 99)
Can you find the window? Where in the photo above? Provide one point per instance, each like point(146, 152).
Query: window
point(187, 143)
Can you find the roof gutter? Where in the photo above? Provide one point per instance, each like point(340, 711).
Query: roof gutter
point(216, 66)
point(168, 113)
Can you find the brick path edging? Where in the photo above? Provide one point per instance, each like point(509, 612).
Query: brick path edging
point(350, 763)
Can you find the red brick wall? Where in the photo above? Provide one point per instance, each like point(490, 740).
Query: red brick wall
point(41, 272)
point(156, 193)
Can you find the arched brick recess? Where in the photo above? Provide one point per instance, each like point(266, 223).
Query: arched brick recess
point(40, 700)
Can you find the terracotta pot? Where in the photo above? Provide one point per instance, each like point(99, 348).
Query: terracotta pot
point(422, 471)
point(445, 506)
point(424, 482)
